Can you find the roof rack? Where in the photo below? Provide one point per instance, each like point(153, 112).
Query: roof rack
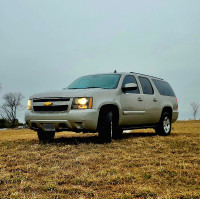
point(147, 75)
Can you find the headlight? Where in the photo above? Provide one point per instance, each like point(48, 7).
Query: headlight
point(82, 103)
point(29, 104)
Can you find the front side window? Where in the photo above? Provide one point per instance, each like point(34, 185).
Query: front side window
point(130, 79)
point(105, 81)
point(146, 86)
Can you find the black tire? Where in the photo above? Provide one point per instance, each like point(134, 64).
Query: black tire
point(164, 126)
point(45, 136)
point(117, 133)
point(105, 127)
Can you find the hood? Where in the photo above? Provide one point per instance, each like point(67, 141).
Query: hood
point(68, 93)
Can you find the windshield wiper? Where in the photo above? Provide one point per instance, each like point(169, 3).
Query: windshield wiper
point(86, 87)
point(74, 88)
point(93, 87)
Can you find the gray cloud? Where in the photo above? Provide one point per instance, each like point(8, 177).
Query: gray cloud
point(44, 45)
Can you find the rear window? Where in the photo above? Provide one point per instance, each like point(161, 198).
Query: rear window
point(163, 88)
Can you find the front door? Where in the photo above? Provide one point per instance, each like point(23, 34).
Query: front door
point(132, 103)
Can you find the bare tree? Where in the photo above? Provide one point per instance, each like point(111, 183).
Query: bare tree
point(195, 109)
point(12, 103)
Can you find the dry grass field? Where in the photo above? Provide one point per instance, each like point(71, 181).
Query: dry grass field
point(141, 165)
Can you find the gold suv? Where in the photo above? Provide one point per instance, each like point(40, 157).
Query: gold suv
point(104, 103)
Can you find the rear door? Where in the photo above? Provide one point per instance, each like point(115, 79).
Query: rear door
point(132, 103)
point(151, 101)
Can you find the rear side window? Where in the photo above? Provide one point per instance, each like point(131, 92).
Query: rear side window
point(146, 86)
point(163, 88)
point(130, 79)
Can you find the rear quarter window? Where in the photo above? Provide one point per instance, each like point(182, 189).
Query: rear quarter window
point(163, 88)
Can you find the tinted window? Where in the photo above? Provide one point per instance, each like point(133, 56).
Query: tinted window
point(130, 79)
point(106, 81)
point(163, 88)
point(146, 86)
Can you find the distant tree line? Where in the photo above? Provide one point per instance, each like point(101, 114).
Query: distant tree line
point(4, 123)
point(11, 103)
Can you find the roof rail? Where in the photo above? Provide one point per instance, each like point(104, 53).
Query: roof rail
point(147, 75)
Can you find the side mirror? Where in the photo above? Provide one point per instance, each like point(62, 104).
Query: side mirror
point(129, 87)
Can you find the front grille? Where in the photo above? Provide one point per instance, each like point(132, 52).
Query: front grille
point(50, 108)
point(54, 99)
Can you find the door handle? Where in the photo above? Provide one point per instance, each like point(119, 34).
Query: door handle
point(155, 100)
point(139, 99)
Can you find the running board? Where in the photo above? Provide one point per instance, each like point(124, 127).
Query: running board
point(139, 127)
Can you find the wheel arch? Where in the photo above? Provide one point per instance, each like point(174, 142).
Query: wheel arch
point(167, 109)
point(108, 107)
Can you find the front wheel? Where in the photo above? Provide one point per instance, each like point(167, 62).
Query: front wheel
point(105, 127)
point(164, 126)
point(45, 136)
point(117, 132)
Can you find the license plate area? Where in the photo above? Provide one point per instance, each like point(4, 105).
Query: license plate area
point(49, 127)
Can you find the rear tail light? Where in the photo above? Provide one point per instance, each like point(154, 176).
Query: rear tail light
point(176, 104)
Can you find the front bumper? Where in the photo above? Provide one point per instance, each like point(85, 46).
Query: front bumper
point(74, 120)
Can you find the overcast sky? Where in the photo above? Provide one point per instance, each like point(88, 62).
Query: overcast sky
point(46, 44)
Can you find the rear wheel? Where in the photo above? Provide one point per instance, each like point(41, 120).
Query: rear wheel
point(45, 136)
point(164, 126)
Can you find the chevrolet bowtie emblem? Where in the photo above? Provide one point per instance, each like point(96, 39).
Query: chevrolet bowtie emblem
point(48, 103)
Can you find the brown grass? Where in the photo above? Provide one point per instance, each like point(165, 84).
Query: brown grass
point(141, 165)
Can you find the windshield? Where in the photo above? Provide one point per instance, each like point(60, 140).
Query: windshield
point(105, 81)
